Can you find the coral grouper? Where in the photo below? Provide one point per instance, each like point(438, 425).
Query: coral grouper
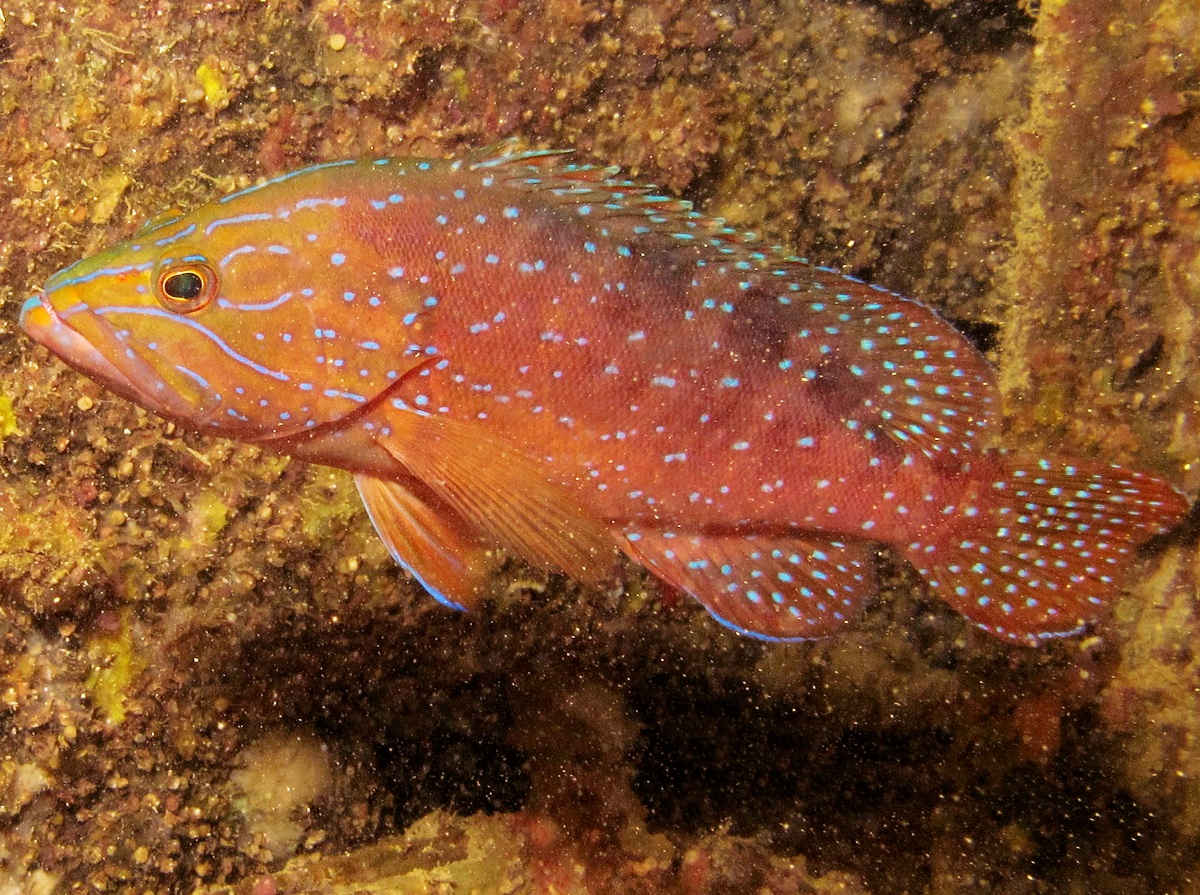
point(509, 350)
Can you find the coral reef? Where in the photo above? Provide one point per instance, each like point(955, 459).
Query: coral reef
point(181, 619)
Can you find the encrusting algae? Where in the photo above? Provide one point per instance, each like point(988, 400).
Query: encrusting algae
point(911, 753)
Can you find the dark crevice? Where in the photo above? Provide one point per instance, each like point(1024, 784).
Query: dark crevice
point(968, 26)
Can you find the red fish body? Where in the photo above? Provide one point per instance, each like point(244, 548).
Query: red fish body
point(509, 350)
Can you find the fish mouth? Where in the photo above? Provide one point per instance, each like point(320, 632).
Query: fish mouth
point(103, 355)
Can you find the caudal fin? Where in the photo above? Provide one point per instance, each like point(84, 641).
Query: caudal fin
point(1045, 544)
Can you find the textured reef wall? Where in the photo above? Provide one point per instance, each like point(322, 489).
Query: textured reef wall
point(213, 677)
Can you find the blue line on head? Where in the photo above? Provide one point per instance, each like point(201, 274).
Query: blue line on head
point(52, 286)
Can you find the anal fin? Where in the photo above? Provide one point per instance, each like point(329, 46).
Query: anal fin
point(797, 587)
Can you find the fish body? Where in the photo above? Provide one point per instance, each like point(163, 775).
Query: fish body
point(511, 350)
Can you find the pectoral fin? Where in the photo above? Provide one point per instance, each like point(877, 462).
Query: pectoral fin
point(503, 494)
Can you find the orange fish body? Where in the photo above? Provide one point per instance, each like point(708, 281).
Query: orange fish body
point(509, 350)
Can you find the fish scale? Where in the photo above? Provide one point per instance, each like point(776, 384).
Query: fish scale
point(512, 350)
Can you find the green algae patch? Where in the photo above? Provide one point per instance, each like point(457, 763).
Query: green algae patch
point(214, 84)
point(329, 504)
point(116, 664)
point(208, 515)
point(8, 418)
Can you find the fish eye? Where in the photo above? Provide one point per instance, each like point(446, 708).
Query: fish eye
point(186, 287)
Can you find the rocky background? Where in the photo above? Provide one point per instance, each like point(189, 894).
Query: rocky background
point(213, 678)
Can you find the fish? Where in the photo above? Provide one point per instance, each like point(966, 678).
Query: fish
point(517, 353)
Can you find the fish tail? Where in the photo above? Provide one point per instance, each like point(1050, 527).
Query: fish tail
point(1041, 545)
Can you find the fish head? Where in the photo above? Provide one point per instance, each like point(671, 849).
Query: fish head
point(231, 320)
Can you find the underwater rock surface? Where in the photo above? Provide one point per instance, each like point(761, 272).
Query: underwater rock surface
point(168, 603)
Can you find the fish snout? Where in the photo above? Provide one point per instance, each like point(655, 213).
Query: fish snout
point(49, 327)
point(37, 317)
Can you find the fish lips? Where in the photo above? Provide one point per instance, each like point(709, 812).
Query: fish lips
point(103, 355)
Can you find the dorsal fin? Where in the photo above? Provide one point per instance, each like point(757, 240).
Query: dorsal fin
point(634, 211)
point(887, 366)
point(508, 152)
point(161, 219)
